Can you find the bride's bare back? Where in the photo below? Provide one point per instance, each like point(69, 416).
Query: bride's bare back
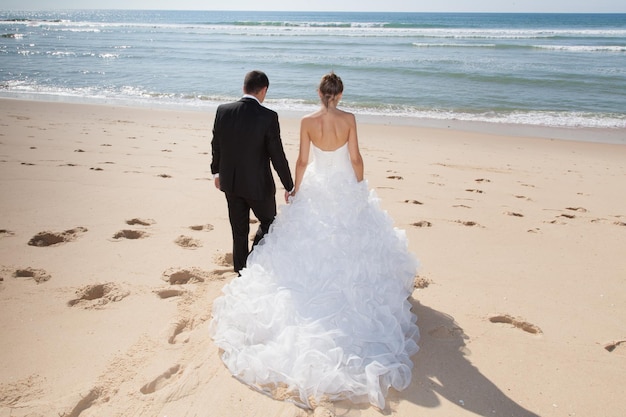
point(328, 129)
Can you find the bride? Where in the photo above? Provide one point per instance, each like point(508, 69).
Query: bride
point(321, 312)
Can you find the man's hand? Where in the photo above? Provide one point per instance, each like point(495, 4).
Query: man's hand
point(288, 195)
point(217, 182)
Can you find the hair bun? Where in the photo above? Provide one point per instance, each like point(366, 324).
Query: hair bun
point(330, 86)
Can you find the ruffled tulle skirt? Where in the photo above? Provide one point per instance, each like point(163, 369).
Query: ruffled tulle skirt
point(321, 310)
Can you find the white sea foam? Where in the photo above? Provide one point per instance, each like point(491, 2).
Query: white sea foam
point(584, 48)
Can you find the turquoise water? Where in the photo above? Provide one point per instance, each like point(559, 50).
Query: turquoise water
point(532, 69)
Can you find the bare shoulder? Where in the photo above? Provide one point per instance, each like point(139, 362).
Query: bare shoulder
point(347, 116)
point(311, 116)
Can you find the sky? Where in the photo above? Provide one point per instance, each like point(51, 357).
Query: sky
point(514, 6)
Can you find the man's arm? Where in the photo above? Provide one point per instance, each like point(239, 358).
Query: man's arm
point(216, 151)
point(277, 155)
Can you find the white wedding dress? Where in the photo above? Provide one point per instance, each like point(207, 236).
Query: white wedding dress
point(321, 312)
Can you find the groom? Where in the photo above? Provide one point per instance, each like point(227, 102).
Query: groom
point(246, 138)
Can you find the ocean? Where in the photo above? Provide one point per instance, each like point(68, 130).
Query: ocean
point(554, 70)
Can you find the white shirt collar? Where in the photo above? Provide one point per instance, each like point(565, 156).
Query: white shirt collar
point(251, 96)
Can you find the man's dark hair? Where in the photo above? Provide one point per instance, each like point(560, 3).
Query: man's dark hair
point(255, 81)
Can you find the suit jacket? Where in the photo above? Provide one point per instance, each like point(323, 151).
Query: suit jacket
point(246, 138)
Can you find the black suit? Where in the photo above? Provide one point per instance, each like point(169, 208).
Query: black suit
point(246, 139)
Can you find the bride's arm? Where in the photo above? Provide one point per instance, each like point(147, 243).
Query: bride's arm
point(303, 154)
point(353, 148)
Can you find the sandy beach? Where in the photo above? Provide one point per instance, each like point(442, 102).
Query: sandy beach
point(114, 244)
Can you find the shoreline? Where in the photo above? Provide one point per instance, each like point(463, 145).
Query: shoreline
point(616, 136)
point(114, 244)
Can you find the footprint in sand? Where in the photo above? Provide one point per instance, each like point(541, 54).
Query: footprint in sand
point(413, 202)
point(518, 323)
point(43, 239)
point(200, 227)
point(514, 214)
point(38, 275)
point(164, 293)
point(605, 220)
point(482, 180)
point(468, 223)
point(6, 233)
point(618, 347)
point(178, 329)
point(578, 209)
point(422, 223)
point(130, 234)
point(164, 176)
point(395, 177)
point(98, 295)
point(167, 377)
point(473, 190)
point(223, 259)
point(187, 242)
point(523, 196)
point(421, 282)
point(86, 402)
point(141, 222)
point(186, 276)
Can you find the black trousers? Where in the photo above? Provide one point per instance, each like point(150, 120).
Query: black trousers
point(239, 215)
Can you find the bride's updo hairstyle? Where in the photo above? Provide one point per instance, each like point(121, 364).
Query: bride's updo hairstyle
point(330, 86)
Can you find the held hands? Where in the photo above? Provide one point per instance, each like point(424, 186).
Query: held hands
point(289, 196)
